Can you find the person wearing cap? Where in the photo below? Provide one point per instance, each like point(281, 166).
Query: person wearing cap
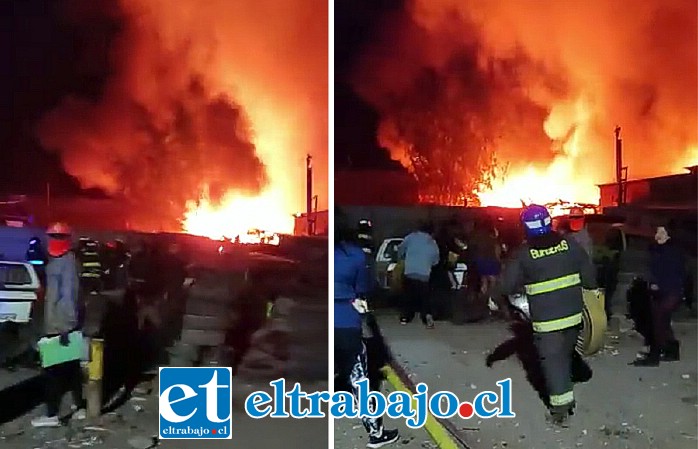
point(552, 270)
point(578, 230)
point(61, 317)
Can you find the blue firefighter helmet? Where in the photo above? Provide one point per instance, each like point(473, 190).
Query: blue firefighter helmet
point(536, 220)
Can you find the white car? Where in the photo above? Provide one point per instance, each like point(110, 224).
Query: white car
point(19, 291)
point(387, 258)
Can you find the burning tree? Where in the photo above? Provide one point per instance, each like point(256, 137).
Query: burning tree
point(447, 133)
point(456, 80)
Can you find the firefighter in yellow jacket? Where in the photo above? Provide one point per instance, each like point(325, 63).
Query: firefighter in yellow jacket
point(91, 270)
point(552, 270)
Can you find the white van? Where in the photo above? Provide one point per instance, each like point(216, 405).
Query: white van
point(19, 291)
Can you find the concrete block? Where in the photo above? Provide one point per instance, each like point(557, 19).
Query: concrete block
point(200, 307)
point(203, 337)
point(198, 322)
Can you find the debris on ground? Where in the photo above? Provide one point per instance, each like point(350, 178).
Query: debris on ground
point(97, 429)
point(142, 442)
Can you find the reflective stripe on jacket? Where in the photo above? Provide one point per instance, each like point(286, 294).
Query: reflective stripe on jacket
point(552, 275)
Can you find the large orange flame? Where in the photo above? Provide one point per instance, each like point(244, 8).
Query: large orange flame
point(219, 94)
point(561, 179)
point(238, 217)
point(463, 81)
point(276, 66)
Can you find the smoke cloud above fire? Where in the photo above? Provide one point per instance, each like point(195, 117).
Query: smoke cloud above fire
point(464, 87)
point(205, 98)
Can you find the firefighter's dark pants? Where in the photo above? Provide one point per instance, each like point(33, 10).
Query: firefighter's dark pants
point(555, 350)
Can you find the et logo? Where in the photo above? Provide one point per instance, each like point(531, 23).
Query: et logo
point(195, 403)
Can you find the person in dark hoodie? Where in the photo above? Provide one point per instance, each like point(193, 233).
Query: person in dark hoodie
point(552, 270)
point(351, 284)
point(61, 318)
point(667, 274)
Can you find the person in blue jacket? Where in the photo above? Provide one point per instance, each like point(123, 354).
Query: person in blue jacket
point(351, 284)
point(667, 274)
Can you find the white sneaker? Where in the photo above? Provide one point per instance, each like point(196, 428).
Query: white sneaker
point(78, 414)
point(46, 421)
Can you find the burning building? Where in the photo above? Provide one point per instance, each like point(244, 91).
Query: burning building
point(493, 102)
point(207, 114)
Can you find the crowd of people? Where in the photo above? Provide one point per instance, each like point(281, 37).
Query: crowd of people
point(552, 265)
point(430, 256)
point(148, 276)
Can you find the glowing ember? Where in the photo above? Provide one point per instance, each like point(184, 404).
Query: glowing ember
point(562, 208)
point(541, 186)
point(238, 217)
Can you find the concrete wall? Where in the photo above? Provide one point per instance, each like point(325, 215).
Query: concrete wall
point(399, 221)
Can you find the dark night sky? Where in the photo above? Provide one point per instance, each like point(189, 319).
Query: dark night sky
point(46, 56)
point(356, 25)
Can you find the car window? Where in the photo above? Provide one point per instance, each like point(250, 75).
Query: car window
point(391, 250)
point(13, 274)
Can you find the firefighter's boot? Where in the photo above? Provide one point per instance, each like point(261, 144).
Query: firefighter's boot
point(559, 415)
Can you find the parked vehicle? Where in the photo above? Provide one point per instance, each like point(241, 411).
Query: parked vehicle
point(20, 311)
point(389, 268)
point(19, 291)
point(386, 262)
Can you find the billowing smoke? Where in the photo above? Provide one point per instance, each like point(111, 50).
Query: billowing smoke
point(468, 88)
point(217, 94)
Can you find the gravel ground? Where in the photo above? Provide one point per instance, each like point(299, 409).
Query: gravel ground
point(350, 434)
point(135, 425)
point(621, 407)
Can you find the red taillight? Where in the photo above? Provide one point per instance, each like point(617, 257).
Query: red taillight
point(40, 293)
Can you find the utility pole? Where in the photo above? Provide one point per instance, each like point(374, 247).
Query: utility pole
point(309, 193)
point(621, 172)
